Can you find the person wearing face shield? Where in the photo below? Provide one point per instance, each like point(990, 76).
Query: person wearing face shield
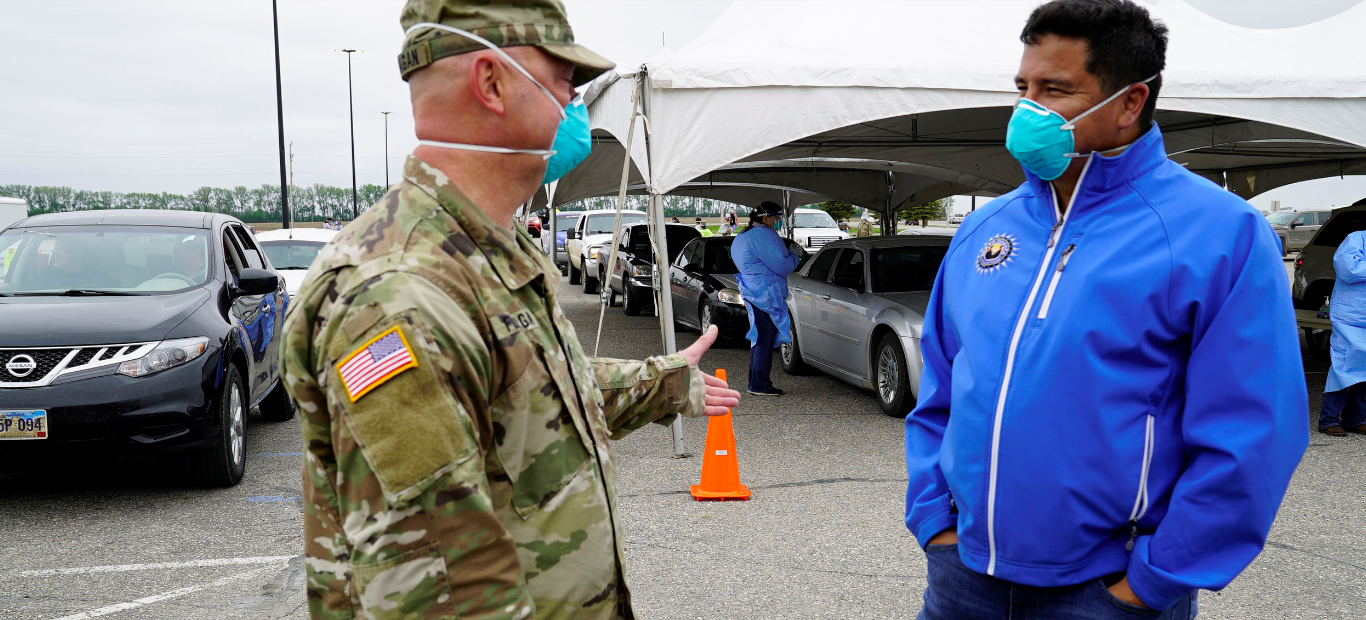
point(457, 457)
point(1111, 405)
point(764, 262)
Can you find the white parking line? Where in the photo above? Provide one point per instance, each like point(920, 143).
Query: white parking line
point(118, 568)
point(156, 598)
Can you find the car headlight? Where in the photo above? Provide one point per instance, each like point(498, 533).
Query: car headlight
point(168, 354)
point(593, 252)
point(731, 296)
point(640, 271)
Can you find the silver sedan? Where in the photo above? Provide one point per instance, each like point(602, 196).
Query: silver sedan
point(857, 310)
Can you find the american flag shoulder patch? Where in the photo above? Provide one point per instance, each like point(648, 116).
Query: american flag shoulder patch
point(378, 360)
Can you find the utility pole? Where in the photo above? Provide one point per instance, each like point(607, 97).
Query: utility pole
point(386, 149)
point(351, 103)
point(280, 119)
point(291, 171)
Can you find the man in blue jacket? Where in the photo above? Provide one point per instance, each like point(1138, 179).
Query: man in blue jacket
point(1112, 401)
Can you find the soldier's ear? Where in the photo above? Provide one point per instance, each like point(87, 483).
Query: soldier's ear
point(488, 81)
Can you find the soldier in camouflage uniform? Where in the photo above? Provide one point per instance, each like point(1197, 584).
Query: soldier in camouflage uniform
point(457, 458)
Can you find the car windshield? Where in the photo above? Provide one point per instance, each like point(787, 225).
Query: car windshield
point(601, 224)
point(718, 258)
point(813, 220)
point(565, 221)
point(906, 269)
point(292, 253)
point(130, 260)
point(1281, 218)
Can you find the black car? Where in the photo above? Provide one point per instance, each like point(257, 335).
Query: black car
point(635, 257)
point(139, 332)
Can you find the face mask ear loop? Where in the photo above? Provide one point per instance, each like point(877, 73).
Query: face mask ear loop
point(497, 50)
point(1073, 123)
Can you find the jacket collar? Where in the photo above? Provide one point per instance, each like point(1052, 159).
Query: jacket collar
point(1108, 172)
point(509, 252)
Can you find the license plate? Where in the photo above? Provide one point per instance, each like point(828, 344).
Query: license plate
point(29, 424)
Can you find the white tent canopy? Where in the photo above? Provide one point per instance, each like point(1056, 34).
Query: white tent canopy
point(923, 89)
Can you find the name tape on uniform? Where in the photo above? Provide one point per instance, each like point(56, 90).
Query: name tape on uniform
point(505, 325)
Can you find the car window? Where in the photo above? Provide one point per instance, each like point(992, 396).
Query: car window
point(820, 269)
point(565, 221)
point(694, 258)
point(718, 258)
point(849, 269)
point(1337, 228)
point(125, 259)
point(901, 270)
point(292, 253)
point(1324, 215)
point(248, 248)
point(1304, 218)
point(676, 236)
point(601, 224)
point(232, 254)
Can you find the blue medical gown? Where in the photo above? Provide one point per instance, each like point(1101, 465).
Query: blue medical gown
point(1348, 314)
point(764, 262)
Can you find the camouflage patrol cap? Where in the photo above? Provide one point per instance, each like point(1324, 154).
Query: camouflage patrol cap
point(504, 23)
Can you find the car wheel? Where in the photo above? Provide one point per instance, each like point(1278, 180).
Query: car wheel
point(574, 274)
point(630, 303)
point(790, 354)
point(590, 284)
point(225, 462)
point(1319, 342)
point(890, 378)
point(277, 406)
point(1284, 252)
point(704, 323)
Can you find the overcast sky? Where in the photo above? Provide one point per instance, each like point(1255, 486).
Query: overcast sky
point(171, 95)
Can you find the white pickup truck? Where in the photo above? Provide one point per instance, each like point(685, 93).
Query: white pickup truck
point(589, 236)
point(813, 228)
point(12, 210)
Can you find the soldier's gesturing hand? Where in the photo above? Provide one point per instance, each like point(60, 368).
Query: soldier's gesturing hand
point(720, 398)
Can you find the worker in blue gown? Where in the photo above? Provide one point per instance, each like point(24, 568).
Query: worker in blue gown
point(1344, 393)
point(764, 262)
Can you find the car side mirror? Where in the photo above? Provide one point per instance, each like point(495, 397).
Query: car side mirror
point(569, 234)
point(1293, 225)
point(848, 280)
point(257, 282)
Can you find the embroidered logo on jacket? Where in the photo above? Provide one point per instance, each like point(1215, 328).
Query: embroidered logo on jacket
point(998, 251)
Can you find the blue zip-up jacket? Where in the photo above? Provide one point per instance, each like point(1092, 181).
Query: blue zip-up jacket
point(1114, 389)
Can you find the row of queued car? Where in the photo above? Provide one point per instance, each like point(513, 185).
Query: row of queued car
point(857, 304)
point(144, 333)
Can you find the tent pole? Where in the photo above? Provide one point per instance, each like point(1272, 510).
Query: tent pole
point(664, 307)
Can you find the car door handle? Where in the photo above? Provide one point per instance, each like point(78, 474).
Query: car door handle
point(797, 289)
point(825, 297)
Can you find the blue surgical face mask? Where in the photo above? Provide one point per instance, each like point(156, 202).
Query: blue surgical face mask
point(573, 138)
point(778, 225)
point(1042, 140)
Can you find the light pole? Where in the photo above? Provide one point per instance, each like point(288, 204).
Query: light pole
point(351, 105)
point(280, 115)
point(386, 149)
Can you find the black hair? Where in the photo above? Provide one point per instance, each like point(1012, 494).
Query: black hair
point(757, 216)
point(1124, 44)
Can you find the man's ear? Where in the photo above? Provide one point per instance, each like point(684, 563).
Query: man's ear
point(487, 82)
point(1133, 102)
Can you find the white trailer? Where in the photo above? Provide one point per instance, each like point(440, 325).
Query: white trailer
point(12, 210)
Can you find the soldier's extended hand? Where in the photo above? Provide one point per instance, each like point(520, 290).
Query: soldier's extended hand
point(720, 398)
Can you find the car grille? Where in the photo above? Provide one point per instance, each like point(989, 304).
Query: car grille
point(46, 360)
point(816, 242)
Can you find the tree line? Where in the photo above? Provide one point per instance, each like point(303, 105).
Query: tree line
point(260, 204)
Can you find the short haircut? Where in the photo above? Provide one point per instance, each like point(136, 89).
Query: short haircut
point(1124, 44)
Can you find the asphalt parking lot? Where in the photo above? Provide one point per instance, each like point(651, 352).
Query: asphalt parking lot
point(821, 538)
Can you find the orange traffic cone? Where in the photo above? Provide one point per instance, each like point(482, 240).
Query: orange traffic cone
point(720, 469)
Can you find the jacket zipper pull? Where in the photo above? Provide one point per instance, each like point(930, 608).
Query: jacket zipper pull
point(1066, 254)
point(1053, 234)
point(1133, 535)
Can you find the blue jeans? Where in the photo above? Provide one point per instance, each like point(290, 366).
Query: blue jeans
point(956, 592)
point(1349, 403)
point(761, 354)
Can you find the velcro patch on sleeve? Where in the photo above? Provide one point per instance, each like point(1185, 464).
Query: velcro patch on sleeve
point(378, 360)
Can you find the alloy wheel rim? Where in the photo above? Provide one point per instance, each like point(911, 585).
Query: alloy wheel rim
point(235, 425)
point(786, 352)
point(706, 318)
point(887, 371)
